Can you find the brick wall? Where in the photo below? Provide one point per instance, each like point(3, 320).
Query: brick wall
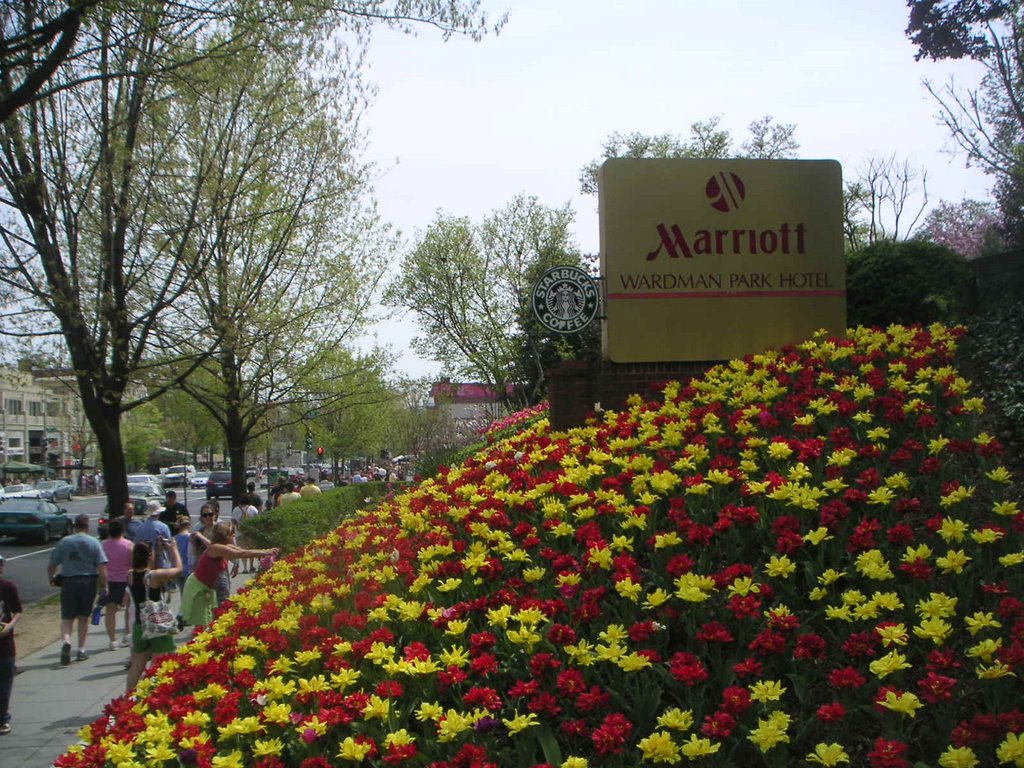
point(576, 386)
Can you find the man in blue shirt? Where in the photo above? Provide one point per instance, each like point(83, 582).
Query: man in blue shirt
point(130, 524)
point(83, 569)
point(152, 530)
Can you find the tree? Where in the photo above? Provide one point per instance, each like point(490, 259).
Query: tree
point(360, 423)
point(186, 425)
point(97, 229)
point(968, 227)
point(986, 122)
point(99, 223)
point(36, 41)
point(40, 36)
point(767, 140)
point(142, 432)
point(296, 249)
point(469, 287)
point(885, 202)
point(413, 423)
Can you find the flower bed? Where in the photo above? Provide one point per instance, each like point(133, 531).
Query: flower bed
point(807, 557)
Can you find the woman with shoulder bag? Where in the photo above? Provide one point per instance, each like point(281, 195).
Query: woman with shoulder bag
point(145, 584)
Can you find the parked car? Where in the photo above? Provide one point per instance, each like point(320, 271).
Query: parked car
point(199, 480)
point(295, 474)
point(218, 484)
point(55, 490)
point(20, 491)
point(145, 489)
point(36, 519)
point(140, 503)
point(179, 474)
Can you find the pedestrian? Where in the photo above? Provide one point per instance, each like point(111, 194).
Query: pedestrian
point(173, 509)
point(10, 613)
point(289, 495)
point(183, 541)
point(276, 491)
point(118, 550)
point(83, 569)
point(152, 530)
point(200, 588)
point(250, 487)
point(145, 582)
point(241, 512)
point(131, 523)
point(310, 489)
point(201, 540)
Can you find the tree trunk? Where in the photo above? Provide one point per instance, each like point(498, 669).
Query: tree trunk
point(103, 418)
point(235, 434)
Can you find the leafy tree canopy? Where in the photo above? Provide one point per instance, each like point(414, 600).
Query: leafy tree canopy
point(767, 140)
point(953, 30)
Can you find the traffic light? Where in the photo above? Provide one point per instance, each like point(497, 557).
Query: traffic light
point(320, 451)
point(309, 442)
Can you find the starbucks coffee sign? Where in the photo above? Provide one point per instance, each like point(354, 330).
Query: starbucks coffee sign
point(565, 299)
point(716, 259)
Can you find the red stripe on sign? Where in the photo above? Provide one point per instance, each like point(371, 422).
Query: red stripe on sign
point(726, 295)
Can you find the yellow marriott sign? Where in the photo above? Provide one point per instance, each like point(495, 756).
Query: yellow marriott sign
point(715, 259)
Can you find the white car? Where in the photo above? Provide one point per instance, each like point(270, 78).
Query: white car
point(199, 480)
point(141, 478)
point(19, 491)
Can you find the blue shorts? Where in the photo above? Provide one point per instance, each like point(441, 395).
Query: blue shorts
point(77, 596)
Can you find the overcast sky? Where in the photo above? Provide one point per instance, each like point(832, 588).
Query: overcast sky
point(463, 127)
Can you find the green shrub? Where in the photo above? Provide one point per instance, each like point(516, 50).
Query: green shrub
point(290, 527)
point(907, 282)
point(994, 352)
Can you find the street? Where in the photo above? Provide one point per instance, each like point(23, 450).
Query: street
point(26, 563)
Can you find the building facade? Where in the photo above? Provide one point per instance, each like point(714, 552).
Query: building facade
point(42, 422)
point(468, 402)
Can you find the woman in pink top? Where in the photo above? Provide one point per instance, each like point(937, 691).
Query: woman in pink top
point(119, 561)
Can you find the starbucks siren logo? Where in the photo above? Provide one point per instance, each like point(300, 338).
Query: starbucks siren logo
point(565, 299)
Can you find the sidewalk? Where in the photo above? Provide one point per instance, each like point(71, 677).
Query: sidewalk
point(50, 703)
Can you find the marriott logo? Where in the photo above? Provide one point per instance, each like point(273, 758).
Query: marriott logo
point(675, 243)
